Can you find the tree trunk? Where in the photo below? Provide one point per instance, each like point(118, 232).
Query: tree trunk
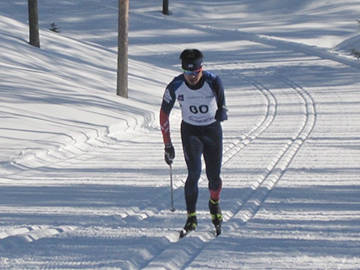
point(122, 71)
point(165, 7)
point(34, 23)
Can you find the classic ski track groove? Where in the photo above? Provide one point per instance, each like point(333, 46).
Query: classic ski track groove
point(22, 235)
point(183, 252)
point(282, 159)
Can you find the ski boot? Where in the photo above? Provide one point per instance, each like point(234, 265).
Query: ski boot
point(190, 225)
point(216, 215)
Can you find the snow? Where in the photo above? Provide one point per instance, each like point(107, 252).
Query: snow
point(83, 183)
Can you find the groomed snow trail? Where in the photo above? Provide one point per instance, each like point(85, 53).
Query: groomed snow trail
point(290, 172)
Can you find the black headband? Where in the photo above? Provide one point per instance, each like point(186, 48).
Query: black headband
point(191, 64)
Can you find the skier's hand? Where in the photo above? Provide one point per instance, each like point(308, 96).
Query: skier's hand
point(169, 153)
point(221, 114)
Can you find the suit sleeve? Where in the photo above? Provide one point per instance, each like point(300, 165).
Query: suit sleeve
point(166, 107)
point(221, 113)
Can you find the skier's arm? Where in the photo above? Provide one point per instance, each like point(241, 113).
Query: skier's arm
point(166, 107)
point(165, 127)
point(221, 114)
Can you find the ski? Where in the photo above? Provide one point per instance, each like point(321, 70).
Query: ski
point(183, 233)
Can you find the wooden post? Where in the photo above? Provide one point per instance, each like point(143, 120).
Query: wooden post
point(34, 23)
point(165, 7)
point(122, 70)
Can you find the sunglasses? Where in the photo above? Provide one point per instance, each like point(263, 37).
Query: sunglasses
point(194, 72)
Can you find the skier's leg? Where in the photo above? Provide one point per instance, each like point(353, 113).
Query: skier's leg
point(213, 159)
point(192, 148)
point(213, 152)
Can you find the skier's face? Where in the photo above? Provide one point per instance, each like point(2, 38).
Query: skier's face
point(193, 77)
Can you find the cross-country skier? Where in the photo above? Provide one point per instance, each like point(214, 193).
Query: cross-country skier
point(201, 97)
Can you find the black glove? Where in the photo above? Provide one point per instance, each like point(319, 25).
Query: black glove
point(169, 153)
point(221, 114)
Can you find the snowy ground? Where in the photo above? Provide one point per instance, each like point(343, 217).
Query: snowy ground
point(83, 184)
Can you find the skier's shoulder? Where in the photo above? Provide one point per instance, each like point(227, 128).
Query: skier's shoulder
point(211, 78)
point(209, 75)
point(176, 82)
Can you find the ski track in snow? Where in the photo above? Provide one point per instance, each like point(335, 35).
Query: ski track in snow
point(22, 235)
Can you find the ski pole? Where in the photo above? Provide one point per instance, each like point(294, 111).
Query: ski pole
point(172, 209)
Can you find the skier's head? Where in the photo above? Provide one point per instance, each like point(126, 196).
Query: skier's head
point(191, 59)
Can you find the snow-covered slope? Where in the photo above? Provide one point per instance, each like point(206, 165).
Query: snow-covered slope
point(83, 184)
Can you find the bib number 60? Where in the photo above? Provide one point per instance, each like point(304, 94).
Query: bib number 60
point(200, 109)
